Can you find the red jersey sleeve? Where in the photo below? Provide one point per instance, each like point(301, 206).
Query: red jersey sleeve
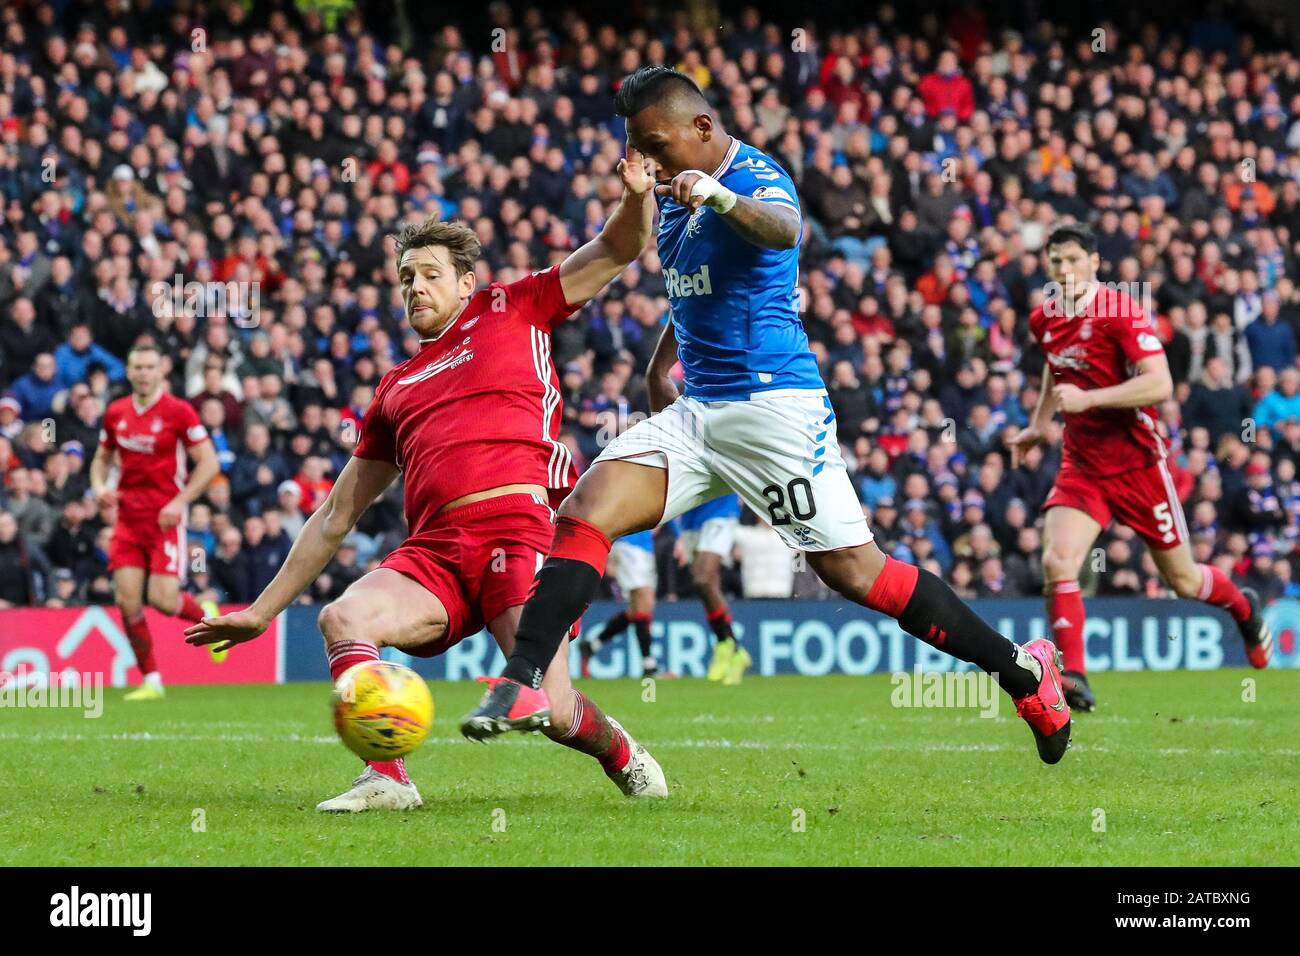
point(1134, 331)
point(377, 441)
point(191, 428)
point(539, 299)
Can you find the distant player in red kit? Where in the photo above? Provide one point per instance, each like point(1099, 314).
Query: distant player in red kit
point(1106, 370)
point(151, 434)
point(472, 422)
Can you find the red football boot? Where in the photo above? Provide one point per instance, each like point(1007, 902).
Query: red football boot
point(1255, 632)
point(1045, 710)
point(507, 705)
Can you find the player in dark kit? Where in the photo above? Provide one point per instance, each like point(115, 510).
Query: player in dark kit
point(472, 422)
point(1105, 371)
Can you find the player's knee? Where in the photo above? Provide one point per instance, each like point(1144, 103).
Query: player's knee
point(1186, 583)
point(703, 581)
point(342, 620)
point(130, 607)
point(1060, 566)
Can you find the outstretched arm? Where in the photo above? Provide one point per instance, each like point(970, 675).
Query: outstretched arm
point(624, 236)
point(771, 225)
point(361, 481)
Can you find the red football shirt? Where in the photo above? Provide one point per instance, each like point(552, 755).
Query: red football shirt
point(479, 405)
point(1096, 348)
point(152, 445)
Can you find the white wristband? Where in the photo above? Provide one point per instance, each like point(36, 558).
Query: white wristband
point(714, 194)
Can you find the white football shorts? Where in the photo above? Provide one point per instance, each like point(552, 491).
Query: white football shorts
point(778, 452)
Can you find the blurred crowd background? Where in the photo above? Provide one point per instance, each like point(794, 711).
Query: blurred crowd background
point(276, 146)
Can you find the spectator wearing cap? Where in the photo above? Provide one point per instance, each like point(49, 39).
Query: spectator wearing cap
point(11, 423)
point(288, 500)
point(1256, 507)
point(75, 356)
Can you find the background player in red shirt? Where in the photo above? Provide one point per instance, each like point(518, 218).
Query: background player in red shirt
point(472, 422)
point(1106, 370)
point(151, 434)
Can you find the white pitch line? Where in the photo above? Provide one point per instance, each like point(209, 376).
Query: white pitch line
point(685, 744)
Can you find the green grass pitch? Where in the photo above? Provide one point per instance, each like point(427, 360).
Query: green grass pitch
point(1176, 768)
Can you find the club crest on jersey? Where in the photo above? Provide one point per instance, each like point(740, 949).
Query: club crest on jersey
point(156, 426)
point(1086, 331)
point(440, 365)
point(1075, 356)
point(693, 224)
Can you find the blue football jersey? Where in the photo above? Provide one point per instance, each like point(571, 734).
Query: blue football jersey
point(727, 506)
point(645, 540)
point(734, 304)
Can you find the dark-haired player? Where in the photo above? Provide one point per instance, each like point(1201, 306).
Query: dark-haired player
point(472, 422)
point(755, 419)
point(1106, 370)
point(152, 436)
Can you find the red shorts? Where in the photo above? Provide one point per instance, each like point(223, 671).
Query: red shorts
point(1144, 499)
point(142, 544)
point(478, 560)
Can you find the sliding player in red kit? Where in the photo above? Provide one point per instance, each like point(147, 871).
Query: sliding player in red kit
point(151, 433)
point(472, 422)
point(1106, 370)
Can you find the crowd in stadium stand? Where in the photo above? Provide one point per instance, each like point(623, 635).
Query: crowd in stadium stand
point(270, 151)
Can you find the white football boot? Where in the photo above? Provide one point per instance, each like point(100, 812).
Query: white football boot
point(642, 777)
point(374, 791)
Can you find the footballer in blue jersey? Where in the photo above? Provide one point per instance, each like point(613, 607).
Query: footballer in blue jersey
point(753, 418)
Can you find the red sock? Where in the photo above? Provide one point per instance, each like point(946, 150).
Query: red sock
point(137, 632)
point(1066, 613)
point(1218, 589)
point(579, 540)
point(345, 654)
point(893, 588)
point(720, 622)
point(594, 735)
point(189, 609)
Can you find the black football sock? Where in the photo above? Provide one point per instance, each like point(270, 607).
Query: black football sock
point(931, 611)
point(642, 626)
point(720, 621)
point(562, 592)
point(615, 626)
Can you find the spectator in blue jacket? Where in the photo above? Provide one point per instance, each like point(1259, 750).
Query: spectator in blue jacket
point(1271, 340)
point(37, 389)
point(75, 357)
point(1280, 405)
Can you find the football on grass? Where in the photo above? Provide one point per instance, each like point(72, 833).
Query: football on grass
point(382, 711)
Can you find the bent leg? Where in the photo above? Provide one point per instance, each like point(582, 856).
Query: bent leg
point(128, 594)
point(612, 499)
point(1201, 582)
point(576, 722)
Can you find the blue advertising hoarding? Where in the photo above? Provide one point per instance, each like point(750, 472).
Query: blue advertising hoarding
point(835, 637)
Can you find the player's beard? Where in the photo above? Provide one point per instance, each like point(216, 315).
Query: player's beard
point(433, 332)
